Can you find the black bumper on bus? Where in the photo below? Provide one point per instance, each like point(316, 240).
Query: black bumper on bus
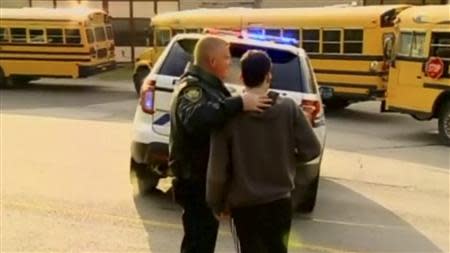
point(85, 71)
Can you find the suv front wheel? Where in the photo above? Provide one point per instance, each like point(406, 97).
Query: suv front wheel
point(143, 177)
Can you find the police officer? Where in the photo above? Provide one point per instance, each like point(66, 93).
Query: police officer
point(201, 104)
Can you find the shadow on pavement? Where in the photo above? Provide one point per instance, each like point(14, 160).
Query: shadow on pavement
point(363, 129)
point(66, 95)
point(89, 100)
point(160, 207)
point(344, 221)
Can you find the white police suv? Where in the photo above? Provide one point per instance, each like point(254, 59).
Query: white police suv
point(292, 77)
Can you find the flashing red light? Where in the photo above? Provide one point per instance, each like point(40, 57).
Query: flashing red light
point(312, 109)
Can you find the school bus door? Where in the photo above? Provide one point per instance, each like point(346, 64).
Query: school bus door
point(162, 38)
point(406, 78)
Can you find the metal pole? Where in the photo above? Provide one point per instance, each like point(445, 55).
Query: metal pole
point(132, 30)
point(54, 3)
point(30, 3)
point(105, 5)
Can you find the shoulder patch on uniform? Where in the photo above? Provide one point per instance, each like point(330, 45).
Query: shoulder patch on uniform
point(193, 94)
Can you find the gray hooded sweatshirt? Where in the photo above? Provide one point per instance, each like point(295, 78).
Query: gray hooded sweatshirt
point(253, 159)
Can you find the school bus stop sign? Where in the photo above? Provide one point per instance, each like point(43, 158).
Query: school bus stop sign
point(434, 67)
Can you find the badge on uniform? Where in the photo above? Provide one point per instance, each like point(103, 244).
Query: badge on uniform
point(193, 94)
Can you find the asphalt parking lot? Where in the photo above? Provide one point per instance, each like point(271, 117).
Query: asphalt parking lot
point(65, 182)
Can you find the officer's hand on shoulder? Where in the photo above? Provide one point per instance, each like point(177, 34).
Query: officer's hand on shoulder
point(255, 103)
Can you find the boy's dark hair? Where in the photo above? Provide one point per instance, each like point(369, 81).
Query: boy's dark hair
point(255, 65)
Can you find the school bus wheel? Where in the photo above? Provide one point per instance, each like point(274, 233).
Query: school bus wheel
point(444, 123)
point(334, 104)
point(2, 78)
point(6, 82)
point(139, 76)
point(20, 81)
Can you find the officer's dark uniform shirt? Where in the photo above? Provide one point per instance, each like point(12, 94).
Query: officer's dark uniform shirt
point(201, 103)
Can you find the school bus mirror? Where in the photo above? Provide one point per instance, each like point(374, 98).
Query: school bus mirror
point(326, 92)
point(388, 48)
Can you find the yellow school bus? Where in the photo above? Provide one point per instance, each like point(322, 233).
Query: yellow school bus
point(66, 43)
point(419, 77)
point(165, 26)
point(345, 44)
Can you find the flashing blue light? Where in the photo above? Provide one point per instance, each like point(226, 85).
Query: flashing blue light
point(255, 31)
point(280, 40)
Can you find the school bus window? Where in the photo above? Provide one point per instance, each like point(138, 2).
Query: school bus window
point(90, 36)
point(273, 32)
point(36, 35)
point(109, 33)
point(311, 40)
point(150, 37)
point(4, 34)
point(55, 36)
point(162, 37)
point(291, 33)
point(19, 35)
point(192, 30)
point(72, 36)
point(353, 41)
point(405, 43)
point(100, 35)
point(177, 31)
point(440, 44)
point(331, 41)
point(417, 49)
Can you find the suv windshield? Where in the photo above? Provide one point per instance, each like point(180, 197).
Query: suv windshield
point(286, 67)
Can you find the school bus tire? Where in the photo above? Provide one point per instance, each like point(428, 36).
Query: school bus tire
point(5, 82)
point(335, 104)
point(444, 123)
point(138, 78)
point(21, 81)
point(13, 81)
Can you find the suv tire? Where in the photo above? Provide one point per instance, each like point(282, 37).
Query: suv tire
point(307, 206)
point(145, 179)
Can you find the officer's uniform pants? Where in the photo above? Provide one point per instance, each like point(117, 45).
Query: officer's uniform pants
point(263, 228)
point(200, 225)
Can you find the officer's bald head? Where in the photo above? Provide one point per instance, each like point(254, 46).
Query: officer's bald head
point(212, 54)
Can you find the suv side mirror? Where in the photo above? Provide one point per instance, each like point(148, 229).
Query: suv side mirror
point(326, 92)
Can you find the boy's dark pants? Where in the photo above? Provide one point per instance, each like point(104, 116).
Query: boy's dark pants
point(264, 228)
